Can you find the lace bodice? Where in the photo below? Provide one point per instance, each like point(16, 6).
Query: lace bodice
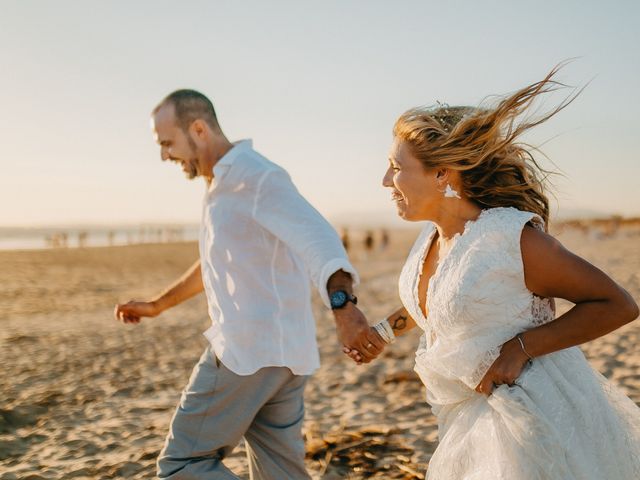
point(477, 298)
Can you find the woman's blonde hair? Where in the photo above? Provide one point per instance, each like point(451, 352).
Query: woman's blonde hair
point(480, 143)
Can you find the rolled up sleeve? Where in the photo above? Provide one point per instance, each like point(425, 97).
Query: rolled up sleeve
point(284, 212)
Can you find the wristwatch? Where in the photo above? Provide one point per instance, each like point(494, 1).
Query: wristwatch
point(339, 299)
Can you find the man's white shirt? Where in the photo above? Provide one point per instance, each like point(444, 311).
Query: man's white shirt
point(260, 243)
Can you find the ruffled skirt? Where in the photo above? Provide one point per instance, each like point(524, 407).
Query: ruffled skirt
point(562, 421)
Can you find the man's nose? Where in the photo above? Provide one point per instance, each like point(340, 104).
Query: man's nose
point(164, 154)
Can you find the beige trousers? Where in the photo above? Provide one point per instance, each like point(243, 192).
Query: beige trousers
point(218, 408)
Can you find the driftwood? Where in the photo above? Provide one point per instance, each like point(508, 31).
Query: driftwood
point(373, 451)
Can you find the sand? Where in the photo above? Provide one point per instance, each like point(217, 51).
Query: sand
point(85, 397)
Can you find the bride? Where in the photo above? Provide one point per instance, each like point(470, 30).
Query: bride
point(514, 396)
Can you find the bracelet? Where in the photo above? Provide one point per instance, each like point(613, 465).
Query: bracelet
point(385, 331)
point(524, 349)
point(389, 330)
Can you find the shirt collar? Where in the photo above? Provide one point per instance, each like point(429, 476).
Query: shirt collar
point(228, 158)
point(222, 165)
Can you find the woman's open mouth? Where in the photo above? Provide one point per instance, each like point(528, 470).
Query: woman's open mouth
point(397, 197)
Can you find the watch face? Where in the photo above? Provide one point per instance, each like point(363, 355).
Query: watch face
point(338, 299)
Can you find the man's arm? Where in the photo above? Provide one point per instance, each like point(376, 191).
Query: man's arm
point(188, 285)
point(285, 213)
point(352, 327)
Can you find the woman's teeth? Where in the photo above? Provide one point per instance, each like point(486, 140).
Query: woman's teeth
point(396, 196)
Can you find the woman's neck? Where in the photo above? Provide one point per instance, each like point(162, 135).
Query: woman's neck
point(452, 219)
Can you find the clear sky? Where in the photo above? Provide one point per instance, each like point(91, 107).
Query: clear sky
point(317, 85)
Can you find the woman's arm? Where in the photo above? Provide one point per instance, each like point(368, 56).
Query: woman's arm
point(401, 322)
point(601, 305)
point(550, 270)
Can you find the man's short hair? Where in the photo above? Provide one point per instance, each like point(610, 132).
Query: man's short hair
point(189, 106)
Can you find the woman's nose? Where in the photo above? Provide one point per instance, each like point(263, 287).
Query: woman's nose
point(387, 180)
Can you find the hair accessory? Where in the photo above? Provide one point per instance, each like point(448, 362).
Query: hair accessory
point(440, 113)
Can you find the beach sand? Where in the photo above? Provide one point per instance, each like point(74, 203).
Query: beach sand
point(84, 397)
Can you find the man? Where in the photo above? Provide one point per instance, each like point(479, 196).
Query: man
point(260, 241)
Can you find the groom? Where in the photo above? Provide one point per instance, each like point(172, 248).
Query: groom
point(260, 242)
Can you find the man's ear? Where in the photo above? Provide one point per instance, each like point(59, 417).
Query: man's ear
point(199, 129)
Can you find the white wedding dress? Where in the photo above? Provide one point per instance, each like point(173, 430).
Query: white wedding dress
point(562, 421)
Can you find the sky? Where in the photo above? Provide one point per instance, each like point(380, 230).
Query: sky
point(316, 85)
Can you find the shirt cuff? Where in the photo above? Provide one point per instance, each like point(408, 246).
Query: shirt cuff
point(331, 267)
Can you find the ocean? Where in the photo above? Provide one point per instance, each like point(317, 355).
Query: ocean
point(27, 238)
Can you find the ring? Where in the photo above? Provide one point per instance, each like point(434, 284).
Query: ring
point(369, 345)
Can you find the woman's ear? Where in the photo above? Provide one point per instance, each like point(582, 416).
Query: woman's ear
point(442, 176)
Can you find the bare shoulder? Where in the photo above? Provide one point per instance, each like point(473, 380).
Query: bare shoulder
point(535, 243)
point(551, 270)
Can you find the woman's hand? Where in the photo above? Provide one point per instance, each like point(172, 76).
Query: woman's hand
point(506, 369)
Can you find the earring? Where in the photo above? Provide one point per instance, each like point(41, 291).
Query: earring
point(450, 192)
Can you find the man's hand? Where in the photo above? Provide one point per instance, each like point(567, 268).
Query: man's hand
point(133, 311)
point(188, 285)
point(355, 354)
point(355, 334)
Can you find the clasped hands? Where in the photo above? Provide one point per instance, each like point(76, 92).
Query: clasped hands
point(360, 341)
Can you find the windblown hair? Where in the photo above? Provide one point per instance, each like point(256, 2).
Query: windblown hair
point(496, 170)
point(190, 106)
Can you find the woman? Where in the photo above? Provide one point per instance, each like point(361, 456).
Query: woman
point(513, 395)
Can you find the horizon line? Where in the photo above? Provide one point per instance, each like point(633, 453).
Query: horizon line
point(341, 219)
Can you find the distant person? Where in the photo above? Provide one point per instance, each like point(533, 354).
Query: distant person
point(384, 239)
point(82, 239)
point(258, 239)
point(368, 241)
point(345, 238)
point(514, 396)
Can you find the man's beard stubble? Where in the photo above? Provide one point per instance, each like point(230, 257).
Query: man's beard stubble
point(192, 168)
point(191, 171)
